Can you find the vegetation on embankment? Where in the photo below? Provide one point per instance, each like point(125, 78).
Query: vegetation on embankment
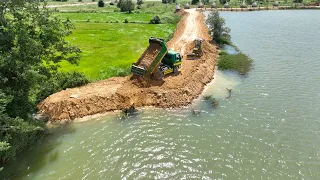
point(32, 44)
point(111, 40)
point(220, 34)
point(237, 62)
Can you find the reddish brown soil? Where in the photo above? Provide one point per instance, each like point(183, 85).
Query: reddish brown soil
point(149, 55)
point(120, 92)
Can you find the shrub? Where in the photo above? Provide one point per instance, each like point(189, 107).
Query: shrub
point(125, 5)
point(60, 81)
point(155, 20)
point(126, 21)
point(111, 3)
point(223, 1)
point(15, 133)
point(100, 3)
point(168, 1)
point(139, 2)
point(194, 1)
point(238, 62)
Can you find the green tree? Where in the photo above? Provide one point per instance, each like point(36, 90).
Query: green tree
point(100, 3)
point(195, 1)
point(217, 28)
point(139, 2)
point(155, 20)
point(32, 42)
point(15, 133)
point(223, 1)
point(125, 5)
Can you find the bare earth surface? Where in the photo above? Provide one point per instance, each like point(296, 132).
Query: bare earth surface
point(120, 92)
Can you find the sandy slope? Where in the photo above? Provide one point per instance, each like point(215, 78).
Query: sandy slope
point(119, 92)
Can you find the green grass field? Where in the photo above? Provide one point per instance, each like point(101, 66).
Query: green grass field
point(109, 49)
point(109, 46)
point(107, 17)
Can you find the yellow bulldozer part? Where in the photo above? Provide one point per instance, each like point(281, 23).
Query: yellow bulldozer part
point(197, 50)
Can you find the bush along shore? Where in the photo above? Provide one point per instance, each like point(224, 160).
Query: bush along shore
point(236, 61)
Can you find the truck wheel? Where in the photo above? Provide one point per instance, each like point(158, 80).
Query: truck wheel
point(160, 74)
point(175, 70)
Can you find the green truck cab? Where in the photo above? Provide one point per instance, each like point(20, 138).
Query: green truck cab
point(171, 63)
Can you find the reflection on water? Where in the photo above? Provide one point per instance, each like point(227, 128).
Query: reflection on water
point(268, 128)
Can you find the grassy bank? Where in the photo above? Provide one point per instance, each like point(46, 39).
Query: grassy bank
point(109, 45)
point(237, 62)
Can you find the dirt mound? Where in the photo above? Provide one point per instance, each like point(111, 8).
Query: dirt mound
point(120, 92)
point(149, 55)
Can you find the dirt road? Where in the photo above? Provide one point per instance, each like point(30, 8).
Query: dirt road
point(120, 92)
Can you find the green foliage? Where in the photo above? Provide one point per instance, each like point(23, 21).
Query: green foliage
point(206, 2)
point(168, 1)
point(238, 62)
point(126, 21)
point(100, 3)
point(155, 20)
point(31, 44)
point(297, 1)
point(115, 71)
point(223, 1)
point(60, 81)
point(194, 2)
point(139, 2)
point(217, 28)
point(15, 133)
point(125, 5)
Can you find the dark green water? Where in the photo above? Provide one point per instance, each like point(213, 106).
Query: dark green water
point(268, 129)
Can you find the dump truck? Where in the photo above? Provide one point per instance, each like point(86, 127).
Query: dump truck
point(197, 50)
point(156, 61)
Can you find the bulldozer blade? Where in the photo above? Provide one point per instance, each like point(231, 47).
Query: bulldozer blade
point(192, 57)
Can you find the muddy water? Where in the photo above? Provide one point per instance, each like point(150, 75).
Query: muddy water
point(269, 127)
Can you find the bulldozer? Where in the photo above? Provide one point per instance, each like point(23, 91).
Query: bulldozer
point(197, 50)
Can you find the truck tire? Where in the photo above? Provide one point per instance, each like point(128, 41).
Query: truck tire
point(175, 70)
point(158, 75)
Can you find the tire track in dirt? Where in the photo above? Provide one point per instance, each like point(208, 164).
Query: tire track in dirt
point(120, 92)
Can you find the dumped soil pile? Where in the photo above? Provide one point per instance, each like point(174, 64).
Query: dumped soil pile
point(149, 55)
point(120, 92)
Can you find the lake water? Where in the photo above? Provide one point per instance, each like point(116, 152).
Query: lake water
point(268, 129)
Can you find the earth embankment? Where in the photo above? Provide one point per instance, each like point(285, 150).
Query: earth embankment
point(120, 92)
